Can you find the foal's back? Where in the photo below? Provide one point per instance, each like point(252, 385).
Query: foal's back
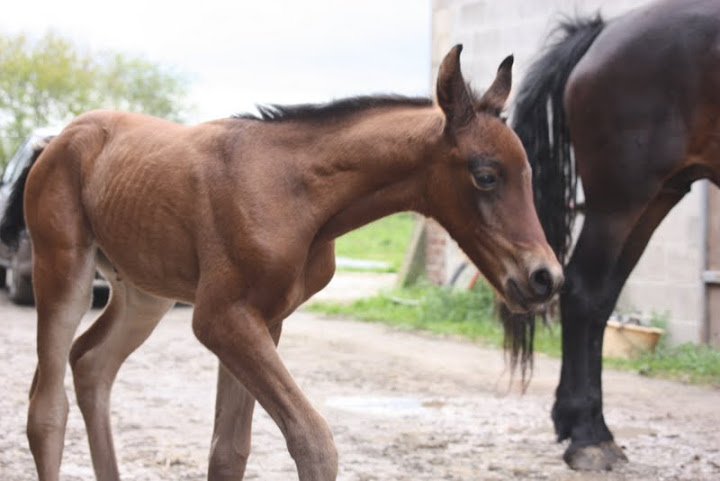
point(144, 192)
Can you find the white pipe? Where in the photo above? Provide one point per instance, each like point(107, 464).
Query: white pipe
point(704, 303)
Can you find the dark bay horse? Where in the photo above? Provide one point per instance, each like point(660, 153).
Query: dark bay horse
point(639, 97)
point(238, 217)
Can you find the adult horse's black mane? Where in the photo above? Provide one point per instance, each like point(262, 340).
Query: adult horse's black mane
point(540, 122)
point(548, 143)
point(333, 109)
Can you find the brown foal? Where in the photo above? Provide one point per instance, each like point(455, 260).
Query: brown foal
point(238, 217)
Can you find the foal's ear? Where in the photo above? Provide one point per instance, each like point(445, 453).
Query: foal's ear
point(452, 93)
point(493, 100)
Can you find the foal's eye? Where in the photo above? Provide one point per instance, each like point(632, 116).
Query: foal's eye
point(485, 180)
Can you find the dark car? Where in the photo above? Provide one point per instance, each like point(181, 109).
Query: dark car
point(16, 263)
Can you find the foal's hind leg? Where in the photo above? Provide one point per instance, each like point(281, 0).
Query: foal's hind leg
point(127, 321)
point(62, 279)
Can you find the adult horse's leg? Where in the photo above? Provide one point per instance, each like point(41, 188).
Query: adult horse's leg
point(232, 431)
point(62, 280)
point(243, 343)
point(607, 250)
point(630, 142)
point(127, 321)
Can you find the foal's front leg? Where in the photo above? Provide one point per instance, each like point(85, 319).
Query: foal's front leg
point(244, 344)
point(232, 431)
point(230, 445)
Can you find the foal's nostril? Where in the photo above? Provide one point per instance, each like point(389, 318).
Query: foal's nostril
point(541, 282)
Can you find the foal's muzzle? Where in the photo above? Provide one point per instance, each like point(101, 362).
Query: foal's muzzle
point(531, 293)
point(541, 283)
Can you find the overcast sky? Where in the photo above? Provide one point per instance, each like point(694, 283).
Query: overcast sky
point(238, 53)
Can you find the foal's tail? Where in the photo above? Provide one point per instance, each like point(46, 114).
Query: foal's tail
point(13, 220)
point(540, 122)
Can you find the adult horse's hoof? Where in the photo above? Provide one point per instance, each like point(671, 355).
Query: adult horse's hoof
point(598, 457)
point(614, 452)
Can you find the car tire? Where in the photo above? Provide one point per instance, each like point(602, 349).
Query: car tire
point(19, 287)
point(2, 277)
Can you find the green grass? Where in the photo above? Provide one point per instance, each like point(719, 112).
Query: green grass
point(686, 362)
point(470, 315)
point(418, 307)
point(440, 311)
point(384, 240)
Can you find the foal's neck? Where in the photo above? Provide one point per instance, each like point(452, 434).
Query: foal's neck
point(375, 166)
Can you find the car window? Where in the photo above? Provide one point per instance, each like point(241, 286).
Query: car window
point(17, 163)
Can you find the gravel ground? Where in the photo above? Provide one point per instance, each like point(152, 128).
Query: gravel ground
point(401, 405)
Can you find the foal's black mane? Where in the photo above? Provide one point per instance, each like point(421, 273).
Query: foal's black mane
point(336, 108)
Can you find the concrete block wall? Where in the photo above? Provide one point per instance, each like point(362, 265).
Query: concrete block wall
point(491, 29)
point(667, 278)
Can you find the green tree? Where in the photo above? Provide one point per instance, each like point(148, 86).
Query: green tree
point(138, 85)
point(50, 81)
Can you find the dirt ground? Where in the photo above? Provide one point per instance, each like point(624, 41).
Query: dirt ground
point(401, 405)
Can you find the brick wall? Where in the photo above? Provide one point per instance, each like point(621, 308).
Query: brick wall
point(667, 278)
point(436, 241)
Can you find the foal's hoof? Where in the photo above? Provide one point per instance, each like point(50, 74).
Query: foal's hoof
point(598, 457)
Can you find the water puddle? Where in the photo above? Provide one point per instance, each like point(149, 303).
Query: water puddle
point(384, 406)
